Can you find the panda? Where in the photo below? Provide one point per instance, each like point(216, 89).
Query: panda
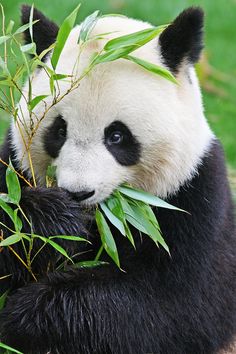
point(123, 124)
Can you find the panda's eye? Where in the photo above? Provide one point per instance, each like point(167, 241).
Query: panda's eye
point(115, 137)
point(122, 144)
point(62, 132)
point(55, 136)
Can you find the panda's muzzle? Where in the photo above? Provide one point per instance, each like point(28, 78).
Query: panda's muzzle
point(80, 196)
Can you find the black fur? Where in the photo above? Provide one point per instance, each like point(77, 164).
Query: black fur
point(183, 39)
point(55, 137)
point(128, 152)
point(44, 31)
point(184, 304)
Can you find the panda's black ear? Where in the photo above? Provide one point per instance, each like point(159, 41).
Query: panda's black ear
point(44, 31)
point(182, 41)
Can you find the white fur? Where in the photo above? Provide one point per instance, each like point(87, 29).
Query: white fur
point(167, 119)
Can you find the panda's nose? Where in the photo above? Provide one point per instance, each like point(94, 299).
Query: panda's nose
point(79, 196)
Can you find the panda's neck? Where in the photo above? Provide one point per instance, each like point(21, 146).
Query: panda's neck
point(207, 200)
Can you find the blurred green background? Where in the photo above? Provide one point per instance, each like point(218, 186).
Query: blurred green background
point(217, 70)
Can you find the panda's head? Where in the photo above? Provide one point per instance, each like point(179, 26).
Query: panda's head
point(123, 123)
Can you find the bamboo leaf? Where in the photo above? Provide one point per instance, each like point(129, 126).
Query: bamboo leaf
point(13, 185)
point(11, 240)
point(8, 210)
point(10, 27)
point(112, 55)
point(71, 238)
point(87, 26)
point(3, 298)
point(4, 67)
point(25, 27)
point(156, 69)
point(113, 219)
point(114, 204)
point(35, 101)
point(7, 82)
point(57, 247)
point(89, 264)
point(31, 22)
point(147, 198)
point(4, 346)
point(60, 76)
point(3, 39)
point(138, 38)
point(62, 36)
point(17, 221)
point(107, 238)
point(46, 51)
point(29, 48)
point(51, 84)
point(139, 217)
point(4, 197)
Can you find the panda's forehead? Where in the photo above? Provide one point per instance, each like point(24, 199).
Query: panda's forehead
point(119, 90)
point(107, 95)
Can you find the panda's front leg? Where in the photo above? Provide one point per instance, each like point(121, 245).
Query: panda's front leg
point(99, 310)
point(51, 212)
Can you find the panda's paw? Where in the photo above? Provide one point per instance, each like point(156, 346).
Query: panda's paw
point(54, 212)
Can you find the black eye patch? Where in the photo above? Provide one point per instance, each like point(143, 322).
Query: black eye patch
point(122, 144)
point(55, 137)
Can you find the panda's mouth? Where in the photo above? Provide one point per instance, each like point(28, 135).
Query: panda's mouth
point(82, 195)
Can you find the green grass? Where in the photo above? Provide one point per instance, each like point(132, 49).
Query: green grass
point(220, 47)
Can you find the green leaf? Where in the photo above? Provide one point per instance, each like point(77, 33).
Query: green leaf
point(25, 27)
point(137, 38)
point(13, 185)
point(31, 22)
point(60, 76)
point(87, 26)
point(140, 221)
point(114, 204)
point(7, 82)
point(112, 55)
point(62, 36)
point(5, 197)
point(156, 69)
point(113, 219)
point(107, 238)
point(4, 67)
point(129, 234)
point(3, 39)
point(51, 84)
point(35, 101)
point(136, 224)
point(28, 48)
point(89, 264)
point(8, 210)
point(46, 51)
point(10, 27)
point(4, 346)
point(147, 210)
point(11, 240)
point(71, 238)
point(57, 247)
point(3, 298)
point(147, 198)
point(17, 221)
